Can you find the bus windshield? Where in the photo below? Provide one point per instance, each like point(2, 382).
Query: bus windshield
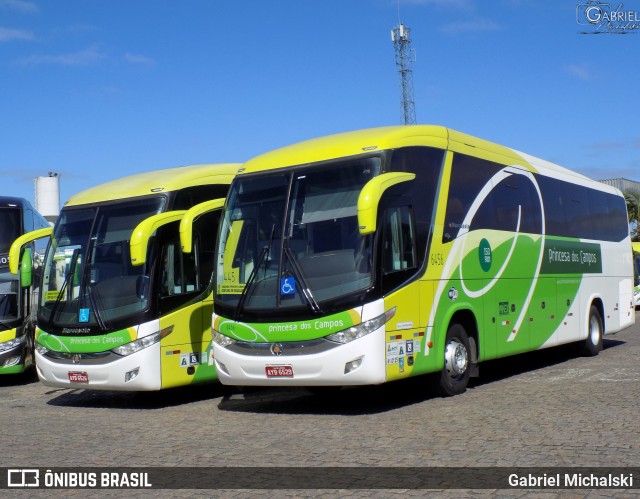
point(9, 306)
point(290, 240)
point(10, 228)
point(88, 277)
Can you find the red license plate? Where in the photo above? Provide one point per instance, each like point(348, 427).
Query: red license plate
point(78, 377)
point(279, 371)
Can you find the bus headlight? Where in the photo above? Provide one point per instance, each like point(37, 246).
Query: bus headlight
point(220, 339)
point(41, 349)
point(362, 329)
point(11, 344)
point(12, 361)
point(137, 345)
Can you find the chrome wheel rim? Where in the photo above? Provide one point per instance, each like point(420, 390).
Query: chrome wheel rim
point(456, 358)
point(594, 330)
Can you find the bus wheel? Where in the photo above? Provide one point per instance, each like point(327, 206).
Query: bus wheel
point(593, 344)
point(454, 376)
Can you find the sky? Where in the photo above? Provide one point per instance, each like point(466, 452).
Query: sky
point(95, 90)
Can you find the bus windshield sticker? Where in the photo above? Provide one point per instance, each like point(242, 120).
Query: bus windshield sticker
point(287, 286)
point(83, 315)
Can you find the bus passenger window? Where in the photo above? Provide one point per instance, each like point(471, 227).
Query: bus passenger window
point(178, 271)
point(399, 242)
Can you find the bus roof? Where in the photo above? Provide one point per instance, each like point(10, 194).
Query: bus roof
point(372, 139)
point(346, 144)
point(11, 201)
point(166, 180)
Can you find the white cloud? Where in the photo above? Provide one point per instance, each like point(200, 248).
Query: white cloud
point(612, 145)
point(628, 171)
point(470, 26)
point(8, 34)
point(139, 59)
point(580, 71)
point(24, 174)
point(84, 57)
point(20, 6)
point(608, 145)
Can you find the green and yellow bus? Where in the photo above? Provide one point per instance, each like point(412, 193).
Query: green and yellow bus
point(17, 315)
point(380, 254)
point(125, 302)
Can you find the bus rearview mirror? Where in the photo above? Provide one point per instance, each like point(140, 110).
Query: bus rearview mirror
point(26, 264)
point(370, 196)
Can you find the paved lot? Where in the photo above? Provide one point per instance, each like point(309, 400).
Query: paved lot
point(543, 409)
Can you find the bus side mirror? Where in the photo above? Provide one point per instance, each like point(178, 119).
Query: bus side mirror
point(186, 224)
point(14, 251)
point(143, 232)
point(370, 196)
point(26, 264)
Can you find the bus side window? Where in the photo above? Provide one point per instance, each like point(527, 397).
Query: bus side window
point(204, 245)
point(469, 175)
point(178, 270)
point(399, 242)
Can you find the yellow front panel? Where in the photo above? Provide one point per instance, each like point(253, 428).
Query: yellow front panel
point(7, 335)
point(186, 352)
point(404, 332)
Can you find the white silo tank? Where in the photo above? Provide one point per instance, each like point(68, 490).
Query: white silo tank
point(48, 196)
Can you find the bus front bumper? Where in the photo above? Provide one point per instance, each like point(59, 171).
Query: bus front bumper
point(360, 362)
point(139, 371)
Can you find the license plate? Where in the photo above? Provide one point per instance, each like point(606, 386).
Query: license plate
point(279, 371)
point(78, 377)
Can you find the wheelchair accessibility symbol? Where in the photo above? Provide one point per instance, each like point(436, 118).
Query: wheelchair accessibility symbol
point(83, 315)
point(287, 286)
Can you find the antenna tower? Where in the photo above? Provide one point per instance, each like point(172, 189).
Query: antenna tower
point(404, 60)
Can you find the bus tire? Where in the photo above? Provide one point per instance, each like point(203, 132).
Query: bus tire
point(595, 330)
point(454, 377)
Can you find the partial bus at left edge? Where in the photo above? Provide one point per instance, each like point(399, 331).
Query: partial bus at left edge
point(18, 292)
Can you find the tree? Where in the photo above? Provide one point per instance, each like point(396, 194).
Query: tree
point(633, 211)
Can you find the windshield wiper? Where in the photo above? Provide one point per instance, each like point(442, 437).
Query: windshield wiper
point(299, 275)
point(55, 312)
point(95, 301)
point(254, 272)
point(86, 286)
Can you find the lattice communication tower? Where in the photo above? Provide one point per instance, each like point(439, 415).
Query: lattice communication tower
point(404, 60)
